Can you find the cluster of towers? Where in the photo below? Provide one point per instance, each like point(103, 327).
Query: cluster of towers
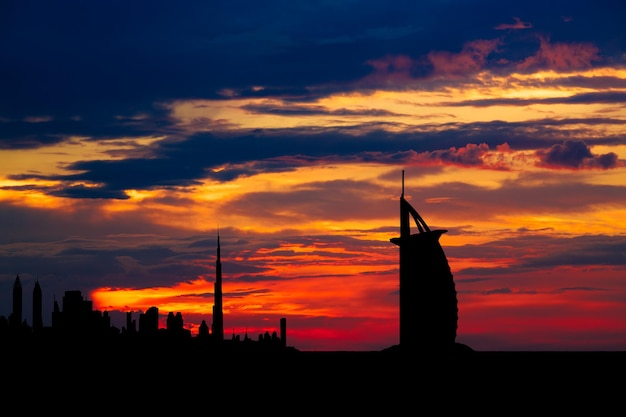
point(77, 318)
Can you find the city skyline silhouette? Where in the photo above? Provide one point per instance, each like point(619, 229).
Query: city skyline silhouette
point(202, 203)
point(428, 309)
point(81, 341)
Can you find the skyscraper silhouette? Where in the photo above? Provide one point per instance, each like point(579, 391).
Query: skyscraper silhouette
point(15, 319)
point(149, 321)
point(217, 328)
point(37, 308)
point(428, 303)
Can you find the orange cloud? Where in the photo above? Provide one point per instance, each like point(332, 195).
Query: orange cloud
point(517, 25)
point(471, 58)
point(562, 56)
point(398, 69)
point(392, 69)
point(471, 155)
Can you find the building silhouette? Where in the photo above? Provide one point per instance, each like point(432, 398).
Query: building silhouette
point(283, 331)
point(37, 309)
point(149, 321)
point(75, 320)
point(428, 302)
point(78, 319)
point(15, 319)
point(217, 328)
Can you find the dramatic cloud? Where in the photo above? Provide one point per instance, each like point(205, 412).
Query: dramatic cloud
point(562, 56)
point(576, 154)
point(471, 58)
point(133, 133)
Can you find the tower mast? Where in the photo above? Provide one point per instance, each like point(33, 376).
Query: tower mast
point(217, 328)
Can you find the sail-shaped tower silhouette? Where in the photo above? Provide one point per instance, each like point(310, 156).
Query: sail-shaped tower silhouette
point(428, 302)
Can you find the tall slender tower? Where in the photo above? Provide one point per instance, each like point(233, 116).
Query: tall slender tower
point(217, 328)
point(428, 303)
point(37, 308)
point(16, 316)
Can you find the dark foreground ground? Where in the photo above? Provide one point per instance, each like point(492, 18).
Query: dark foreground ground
point(171, 381)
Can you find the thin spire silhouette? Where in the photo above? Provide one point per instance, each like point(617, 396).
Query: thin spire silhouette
point(217, 327)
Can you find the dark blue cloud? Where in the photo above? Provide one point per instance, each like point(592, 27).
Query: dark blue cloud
point(186, 162)
point(92, 122)
point(576, 154)
point(616, 97)
point(81, 191)
point(90, 69)
point(66, 58)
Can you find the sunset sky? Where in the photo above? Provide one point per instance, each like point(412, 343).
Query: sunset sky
point(132, 133)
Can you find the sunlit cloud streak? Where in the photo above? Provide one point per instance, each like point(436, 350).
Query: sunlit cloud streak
point(517, 25)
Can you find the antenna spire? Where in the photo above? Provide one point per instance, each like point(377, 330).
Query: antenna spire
point(402, 183)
